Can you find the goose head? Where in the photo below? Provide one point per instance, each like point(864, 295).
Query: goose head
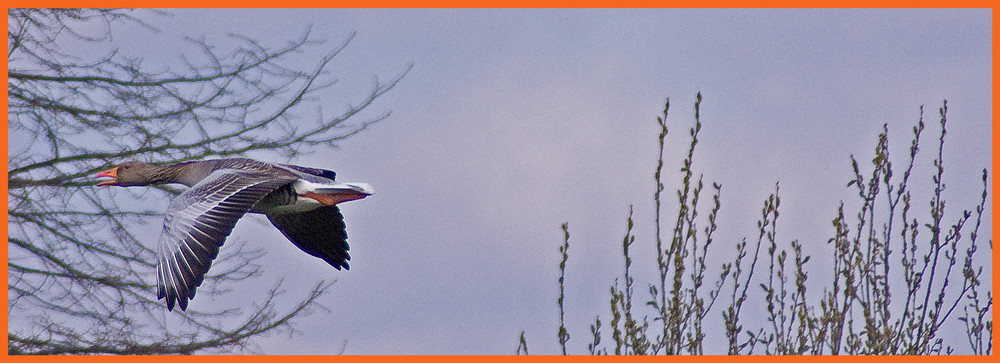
point(132, 173)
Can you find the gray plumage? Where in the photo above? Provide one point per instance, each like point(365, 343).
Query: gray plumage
point(221, 191)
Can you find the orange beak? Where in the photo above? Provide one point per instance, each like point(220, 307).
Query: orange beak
point(111, 173)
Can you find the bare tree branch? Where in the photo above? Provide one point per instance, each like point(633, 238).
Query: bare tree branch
point(79, 262)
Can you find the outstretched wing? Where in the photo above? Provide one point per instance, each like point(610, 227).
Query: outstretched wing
point(329, 174)
point(320, 232)
point(197, 224)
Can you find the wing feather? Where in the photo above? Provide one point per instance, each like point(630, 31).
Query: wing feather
point(320, 232)
point(197, 224)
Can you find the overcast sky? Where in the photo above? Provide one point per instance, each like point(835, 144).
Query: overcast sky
point(515, 121)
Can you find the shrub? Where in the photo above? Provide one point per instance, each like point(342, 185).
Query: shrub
point(896, 278)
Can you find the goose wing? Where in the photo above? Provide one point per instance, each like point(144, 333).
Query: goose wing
point(313, 175)
point(197, 223)
point(319, 232)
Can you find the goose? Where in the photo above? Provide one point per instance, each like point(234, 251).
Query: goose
point(301, 202)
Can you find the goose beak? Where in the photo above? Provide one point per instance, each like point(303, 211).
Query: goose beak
point(111, 173)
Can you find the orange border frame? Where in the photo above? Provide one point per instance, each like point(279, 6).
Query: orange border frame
point(511, 3)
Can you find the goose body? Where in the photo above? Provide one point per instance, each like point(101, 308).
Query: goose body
point(300, 202)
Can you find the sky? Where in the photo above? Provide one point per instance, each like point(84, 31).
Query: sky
point(512, 122)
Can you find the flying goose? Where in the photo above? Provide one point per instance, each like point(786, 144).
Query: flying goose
point(301, 202)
